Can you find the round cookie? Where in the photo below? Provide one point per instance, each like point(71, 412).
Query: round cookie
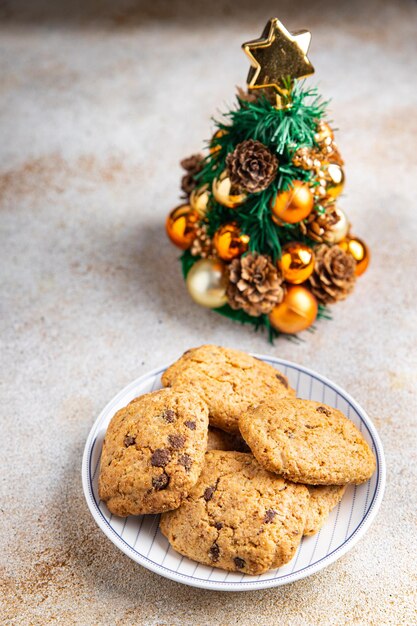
point(228, 380)
point(323, 498)
point(238, 516)
point(153, 452)
point(307, 442)
point(220, 440)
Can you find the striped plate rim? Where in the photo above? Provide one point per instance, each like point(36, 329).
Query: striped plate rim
point(246, 582)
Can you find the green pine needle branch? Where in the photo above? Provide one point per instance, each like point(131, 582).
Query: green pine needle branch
point(282, 131)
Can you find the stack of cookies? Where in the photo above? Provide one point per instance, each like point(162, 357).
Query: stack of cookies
point(238, 466)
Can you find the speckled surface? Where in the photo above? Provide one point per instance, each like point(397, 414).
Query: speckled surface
point(98, 101)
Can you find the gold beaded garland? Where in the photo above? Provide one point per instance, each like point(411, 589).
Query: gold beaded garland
point(324, 133)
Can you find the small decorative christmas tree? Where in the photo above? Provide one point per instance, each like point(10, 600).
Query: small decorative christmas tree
point(264, 241)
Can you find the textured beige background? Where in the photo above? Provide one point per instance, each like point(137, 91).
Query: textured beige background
point(98, 103)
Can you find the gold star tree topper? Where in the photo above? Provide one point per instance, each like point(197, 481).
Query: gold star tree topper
point(277, 58)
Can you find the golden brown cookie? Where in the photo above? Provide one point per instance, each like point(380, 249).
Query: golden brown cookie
point(307, 442)
point(153, 452)
point(323, 498)
point(238, 516)
point(228, 380)
point(220, 440)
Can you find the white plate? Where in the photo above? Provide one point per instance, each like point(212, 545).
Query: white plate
point(139, 536)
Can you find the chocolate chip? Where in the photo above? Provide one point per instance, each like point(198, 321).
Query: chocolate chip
point(169, 416)
point(186, 461)
point(160, 457)
point(208, 493)
point(190, 425)
point(269, 516)
point(322, 409)
point(129, 441)
point(160, 482)
point(176, 441)
point(218, 525)
point(282, 379)
point(239, 562)
point(214, 552)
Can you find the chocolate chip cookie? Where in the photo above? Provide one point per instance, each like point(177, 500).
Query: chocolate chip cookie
point(153, 452)
point(238, 516)
point(307, 442)
point(323, 499)
point(228, 380)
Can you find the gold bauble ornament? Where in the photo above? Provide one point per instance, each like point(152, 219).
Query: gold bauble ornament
point(360, 252)
point(224, 192)
point(296, 312)
point(297, 262)
point(293, 205)
point(324, 133)
point(206, 283)
point(214, 146)
point(338, 231)
point(181, 226)
point(229, 242)
point(335, 180)
point(199, 199)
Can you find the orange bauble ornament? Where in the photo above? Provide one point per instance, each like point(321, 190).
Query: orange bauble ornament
point(229, 242)
point(296, 312)
point(360, 252)
point(293, 205)
point(181, 226)
point(297, 262)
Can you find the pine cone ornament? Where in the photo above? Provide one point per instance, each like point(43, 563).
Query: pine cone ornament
point(251, 166)
point(255, 284)
point(192, 165)
point(202, 245)
point(333, 277)
point(316, 225)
